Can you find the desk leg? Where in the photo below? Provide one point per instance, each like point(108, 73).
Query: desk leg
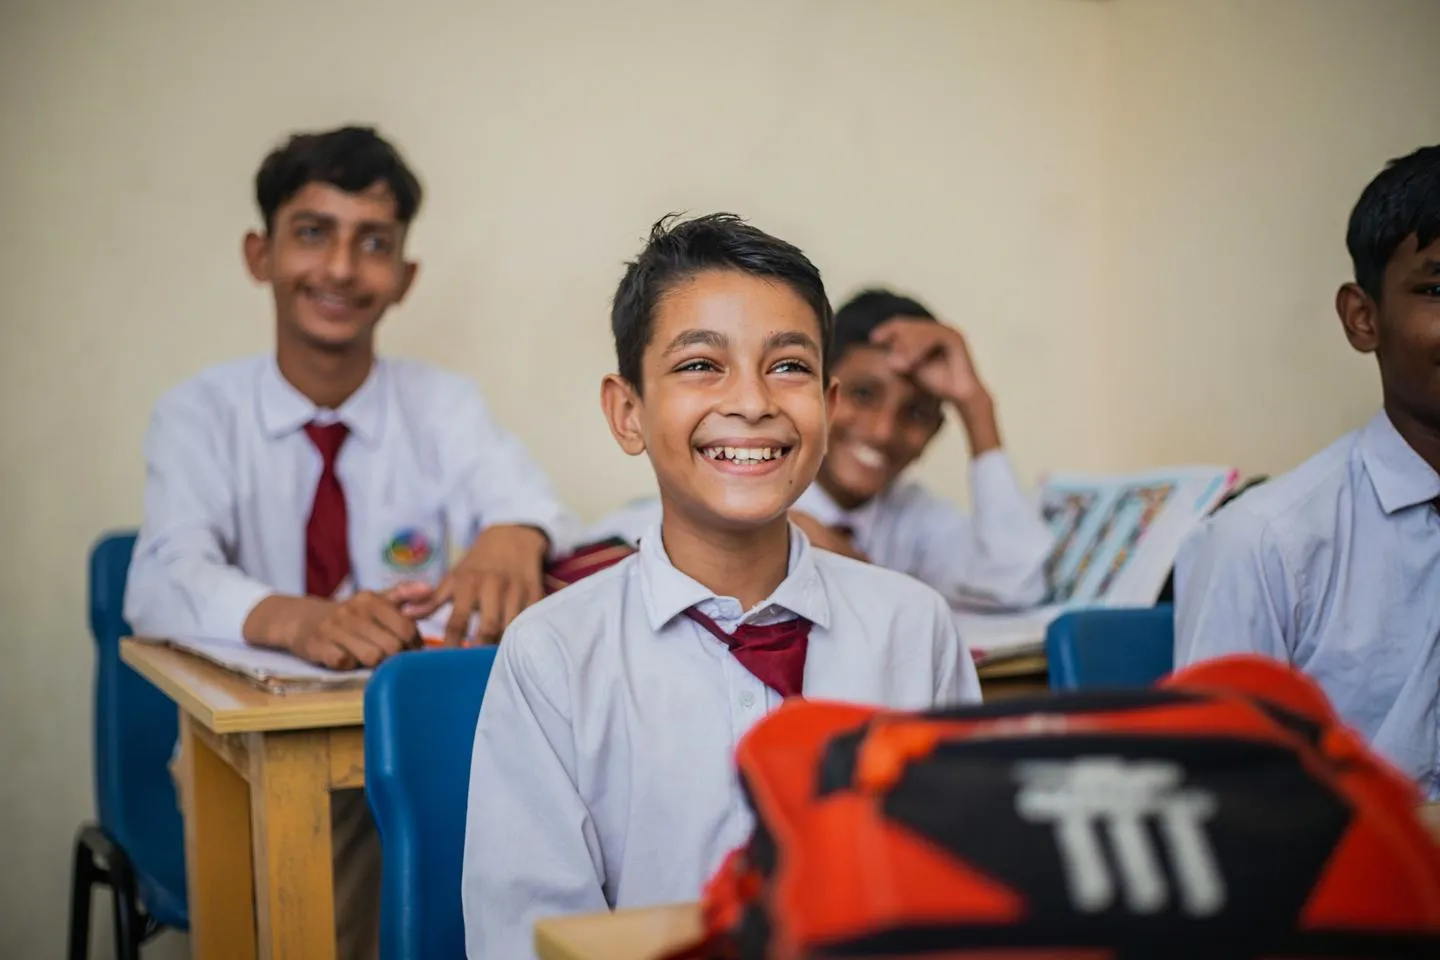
point(290, 810)
point(216, 801)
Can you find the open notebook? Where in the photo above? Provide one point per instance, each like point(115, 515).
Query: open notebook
point(271, 670)
point(1116, 539)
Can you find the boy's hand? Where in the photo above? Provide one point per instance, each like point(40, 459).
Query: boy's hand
point(934, 354)
point(358, 631)
point(499, 577)
point(827, 538)
point(938, 359)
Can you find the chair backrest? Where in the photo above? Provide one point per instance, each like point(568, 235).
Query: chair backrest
point(420, 713)
point(1111, 647)
point(135, 730)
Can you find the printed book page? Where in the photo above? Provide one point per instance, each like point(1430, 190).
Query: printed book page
point(1116, 539)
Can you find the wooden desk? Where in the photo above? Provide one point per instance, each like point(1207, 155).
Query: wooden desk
point(623, 935)
point(256, 779)
point(1014, 677)
point(646, 934)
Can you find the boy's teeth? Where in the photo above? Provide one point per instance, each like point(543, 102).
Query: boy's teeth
point(868, 456)
point(743, 454)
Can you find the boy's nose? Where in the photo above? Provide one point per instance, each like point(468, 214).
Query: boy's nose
point(750, 398)
point(341, 263)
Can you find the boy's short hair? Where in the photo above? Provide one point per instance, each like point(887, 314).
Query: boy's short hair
point(868, 309)
point(351, 158)
point(1403, 199)
point(679, 249)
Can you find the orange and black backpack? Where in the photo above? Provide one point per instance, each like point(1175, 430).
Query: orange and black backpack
point(1224, 813)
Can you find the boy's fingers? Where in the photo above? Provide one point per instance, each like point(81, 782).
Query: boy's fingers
point(463, 595)
point(492, 600)
point(514, 603)
point(393, 621)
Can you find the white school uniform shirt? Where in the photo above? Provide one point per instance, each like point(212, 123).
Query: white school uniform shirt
point(231, 476)
point(1334, 568)
point(603, 768)
point(993, 559)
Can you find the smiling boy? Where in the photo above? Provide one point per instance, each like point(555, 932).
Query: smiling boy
point(308, 500)
point(602, 772)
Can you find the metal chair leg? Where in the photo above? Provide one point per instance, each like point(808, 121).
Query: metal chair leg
point(84, 873)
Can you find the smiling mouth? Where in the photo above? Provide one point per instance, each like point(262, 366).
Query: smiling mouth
point(332, 304)
point(745, 460)
point(867, 456)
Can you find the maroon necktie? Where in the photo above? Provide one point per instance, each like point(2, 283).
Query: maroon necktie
point(774, 654)
point(327, 534)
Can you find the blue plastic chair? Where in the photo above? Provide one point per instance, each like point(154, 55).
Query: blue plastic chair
point(1111, 647)
point(420, 713)
point(138, 847)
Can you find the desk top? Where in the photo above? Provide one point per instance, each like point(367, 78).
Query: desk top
point(623, 935)
point(227, 703)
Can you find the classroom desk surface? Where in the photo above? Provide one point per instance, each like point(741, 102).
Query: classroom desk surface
point(228, 703)
point(256, 779)
point(649, 933)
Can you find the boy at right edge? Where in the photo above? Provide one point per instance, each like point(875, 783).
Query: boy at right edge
point(1335, 567)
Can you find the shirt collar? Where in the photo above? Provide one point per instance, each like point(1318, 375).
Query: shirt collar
point(284, 409)
point(1400, 477)
point(667, 592)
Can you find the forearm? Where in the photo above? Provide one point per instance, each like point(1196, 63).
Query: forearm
point(977, 415)
point(279, 622)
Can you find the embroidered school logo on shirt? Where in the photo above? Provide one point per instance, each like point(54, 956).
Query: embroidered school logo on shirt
point(409, 549)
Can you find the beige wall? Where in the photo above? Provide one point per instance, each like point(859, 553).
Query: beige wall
point(1114, 197)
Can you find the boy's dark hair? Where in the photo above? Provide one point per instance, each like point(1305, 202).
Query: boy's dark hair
point(678, 249)
point(868, 309)
point(351, 158)
point(1403, 199)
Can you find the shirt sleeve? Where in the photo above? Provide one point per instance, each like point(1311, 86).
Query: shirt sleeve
point(531, 847)
point(182, 582)
point(496, 479)
point(991, 560)
point(957, 681)
point(1232, 593)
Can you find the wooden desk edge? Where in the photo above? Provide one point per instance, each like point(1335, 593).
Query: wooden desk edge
point(279, 712)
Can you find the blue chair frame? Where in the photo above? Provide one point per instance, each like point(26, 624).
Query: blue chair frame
point(1110, 647)
point(137, 848)
point(420, 714)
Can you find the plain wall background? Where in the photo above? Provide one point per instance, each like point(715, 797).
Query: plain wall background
point(1135, 209)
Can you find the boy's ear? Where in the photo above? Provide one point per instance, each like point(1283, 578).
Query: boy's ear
point(622, 407)
point(257, 256)
point(408, 270)
point(1360, 316)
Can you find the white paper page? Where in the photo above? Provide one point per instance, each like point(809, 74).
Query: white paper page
point(260, 664)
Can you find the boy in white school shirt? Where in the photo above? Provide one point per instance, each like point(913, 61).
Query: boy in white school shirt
point(1335, 567)
point(309, 500)
point(602, 773)
point(899, 369)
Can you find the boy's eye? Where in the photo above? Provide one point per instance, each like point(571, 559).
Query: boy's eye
point(918, 413)
point(698, 365)
point(791, 366)
point(861, 393)
point(376, 244)
point(308, 232)
point(1433, 290)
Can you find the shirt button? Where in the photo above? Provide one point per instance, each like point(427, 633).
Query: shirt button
point(747, 700)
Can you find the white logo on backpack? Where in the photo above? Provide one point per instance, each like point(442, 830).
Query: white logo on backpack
point(1092, 799)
